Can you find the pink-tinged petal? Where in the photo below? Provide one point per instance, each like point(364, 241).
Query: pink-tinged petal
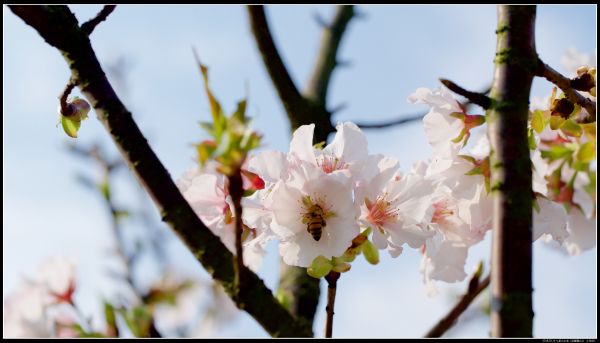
point(582, 232)
point(349, 143)
point(301, 145)
point(379, 239)
point(287, 210)
point(413, 235)
point(440, 130)
point(394, 250)
point(446, 260)
point(271, 166)
point(550, 220)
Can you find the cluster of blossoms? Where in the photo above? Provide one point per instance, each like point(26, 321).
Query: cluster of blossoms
point(46, 307)
point(326, 204)
point(42, 307)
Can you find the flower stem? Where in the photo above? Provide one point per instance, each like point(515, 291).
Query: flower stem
point(331, 278)
point(236, 190)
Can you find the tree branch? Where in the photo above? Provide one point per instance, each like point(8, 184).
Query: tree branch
point(91, 24)
point(476, 98)
point(300, 291)
point(327, 58)
point(565, 85)
point(59, 27)
point(285, 87)
point(393, 122)
point(332, 279)
point(516, 63)
point(413, 117)
point(65, 108)
point(474, 289)
point(236, 190)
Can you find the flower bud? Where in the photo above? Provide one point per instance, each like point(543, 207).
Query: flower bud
point(76, 111)
point(370, 251)
point(319, 267)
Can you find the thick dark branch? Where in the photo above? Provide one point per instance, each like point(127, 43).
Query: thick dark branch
point(300, 110)
point(476, 98)
point(59, 27)
point(449, 319)
point(287, 91)
point(564, 84)
point(327, 58)
point(516, 63)
point(91, 24)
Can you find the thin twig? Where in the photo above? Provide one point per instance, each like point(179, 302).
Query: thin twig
point(89, 26)
point(59, 28)
point(65, 109)
point(409, 118)
point(327, 59)
point(394, 122)
point(564, 83)
point(236, 190)
point(448, 320)
point(332, 279)
point(474, 97)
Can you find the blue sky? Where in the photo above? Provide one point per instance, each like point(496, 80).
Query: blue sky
point(392, 51)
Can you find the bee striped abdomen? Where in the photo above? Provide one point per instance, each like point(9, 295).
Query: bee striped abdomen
point(315, 222)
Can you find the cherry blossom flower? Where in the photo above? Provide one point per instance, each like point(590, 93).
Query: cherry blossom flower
point(313, 214)
point(25, 313)
point(446, 125)
point(57, 277)
point(398, 210)
point(348, 150)
point(206, 191)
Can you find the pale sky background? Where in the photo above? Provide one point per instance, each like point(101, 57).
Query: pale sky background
point(392, 51)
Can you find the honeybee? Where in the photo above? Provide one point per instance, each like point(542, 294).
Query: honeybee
point(315, 221)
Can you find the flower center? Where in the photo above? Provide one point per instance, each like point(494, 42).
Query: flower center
point(314, 216)
point(381, 211)
point(330, 163)
point(441, 211)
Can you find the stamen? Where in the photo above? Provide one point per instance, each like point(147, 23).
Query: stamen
point(381, 211)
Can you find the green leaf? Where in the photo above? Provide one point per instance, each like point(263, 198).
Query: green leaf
point(319, 267)
point(586, 152)
point(555, 122)
point(71, 126)
point(240, 112)
point(205, 151)
point(370, 251)
point(537, 121)
point(571, 128)
point(556, 152)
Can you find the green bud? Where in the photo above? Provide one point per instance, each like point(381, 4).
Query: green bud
point(319, 267)
point(371, 252)
point(71, 122)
